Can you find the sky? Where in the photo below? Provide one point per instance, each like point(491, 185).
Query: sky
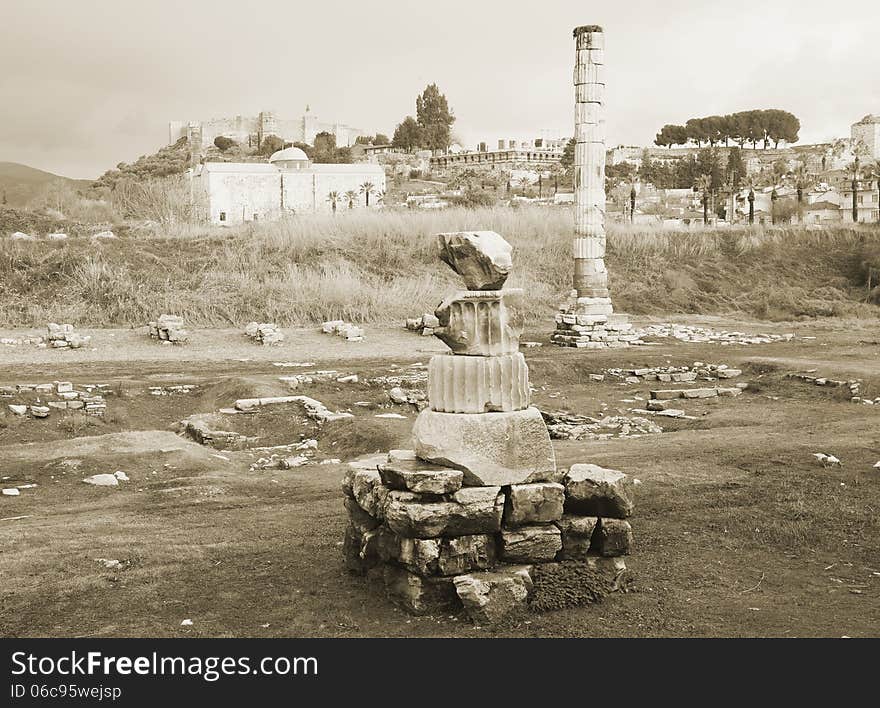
point(87, 84)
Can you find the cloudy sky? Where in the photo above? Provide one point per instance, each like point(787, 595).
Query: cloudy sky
point(86, 84)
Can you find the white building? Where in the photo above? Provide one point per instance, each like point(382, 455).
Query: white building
point(235, 192)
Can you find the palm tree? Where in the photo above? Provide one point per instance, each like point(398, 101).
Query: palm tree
point(704, 185)
point(855, 190)
point(525, 183)
point(352, 197)
point(334, 198)
point(367, 188)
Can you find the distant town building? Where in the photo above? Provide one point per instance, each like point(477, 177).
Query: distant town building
point(252, 130)
point(867, 131)
point(510, 153)
point(236, 192)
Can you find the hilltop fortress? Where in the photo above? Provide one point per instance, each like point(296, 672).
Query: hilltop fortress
point(251, 130)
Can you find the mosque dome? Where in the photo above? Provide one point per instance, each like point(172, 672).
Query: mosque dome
point(291, 157)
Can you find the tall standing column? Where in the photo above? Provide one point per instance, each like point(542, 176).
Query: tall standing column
point(586, 319)
point(590, 275)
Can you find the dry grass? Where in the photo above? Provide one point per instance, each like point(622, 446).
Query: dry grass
point(381, 266)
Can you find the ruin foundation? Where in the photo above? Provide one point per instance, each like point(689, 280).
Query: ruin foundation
point(477, 515)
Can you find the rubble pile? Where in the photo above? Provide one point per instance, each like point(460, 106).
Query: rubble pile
point(265, 333)
point(60, 395)
point(570, 426)
point(286, 457)
point(424, 325)
point(171, 390)
point(314, 409)
point(346, 330)
point(705, 392)
point(169, 329)
point(669, 374)
point(62, 336)
point(311, 377)
point(690, 333)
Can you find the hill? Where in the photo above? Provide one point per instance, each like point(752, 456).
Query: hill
point(21, 184)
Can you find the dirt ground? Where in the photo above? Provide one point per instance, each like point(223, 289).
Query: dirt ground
point(739, 530)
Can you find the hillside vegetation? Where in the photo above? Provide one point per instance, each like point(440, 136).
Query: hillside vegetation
point(20, 184)
point(382, 266)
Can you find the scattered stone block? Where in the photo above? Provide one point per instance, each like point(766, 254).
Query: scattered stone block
point(595, 491)
point(169, 328)
point(265, 333)
point(102, 480)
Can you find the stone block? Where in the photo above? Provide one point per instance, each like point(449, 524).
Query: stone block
point(591, 490)
point(530, 544)
point(367, 490)
point(577, 535)
point(359, 518)
point(666, 394)
point(418, 594)
point(440, 556)
point(613, 537)
point(403, 470)
point(482, 258)
point(471, 510)
point(478, 384)
point(537, 503)
point(491, 596)
point(699, 393)
point(489, 448)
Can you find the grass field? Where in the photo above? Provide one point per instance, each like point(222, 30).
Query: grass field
point(381, 267)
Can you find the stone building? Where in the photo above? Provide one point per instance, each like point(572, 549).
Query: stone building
point(251, 130)
point(867, 130)
point(236, 192)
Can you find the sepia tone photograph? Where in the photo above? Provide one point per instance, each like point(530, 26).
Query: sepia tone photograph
point(459, 320)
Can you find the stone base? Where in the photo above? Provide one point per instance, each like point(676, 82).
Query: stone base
point(489, 448)
point(590, 330)
point(479, 549)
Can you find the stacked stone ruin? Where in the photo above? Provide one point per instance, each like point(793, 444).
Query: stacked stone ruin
point(169, 329)
point(586, 319)
point(265, 333)
point(348, 331)
point(63, 336)
point(476, 514)
point(424, 325)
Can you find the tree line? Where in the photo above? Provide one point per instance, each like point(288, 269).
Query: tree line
point(770, 125)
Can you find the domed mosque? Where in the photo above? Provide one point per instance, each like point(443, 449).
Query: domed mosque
point(289, 183)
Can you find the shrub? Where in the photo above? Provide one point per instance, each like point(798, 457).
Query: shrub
point(223, 143)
